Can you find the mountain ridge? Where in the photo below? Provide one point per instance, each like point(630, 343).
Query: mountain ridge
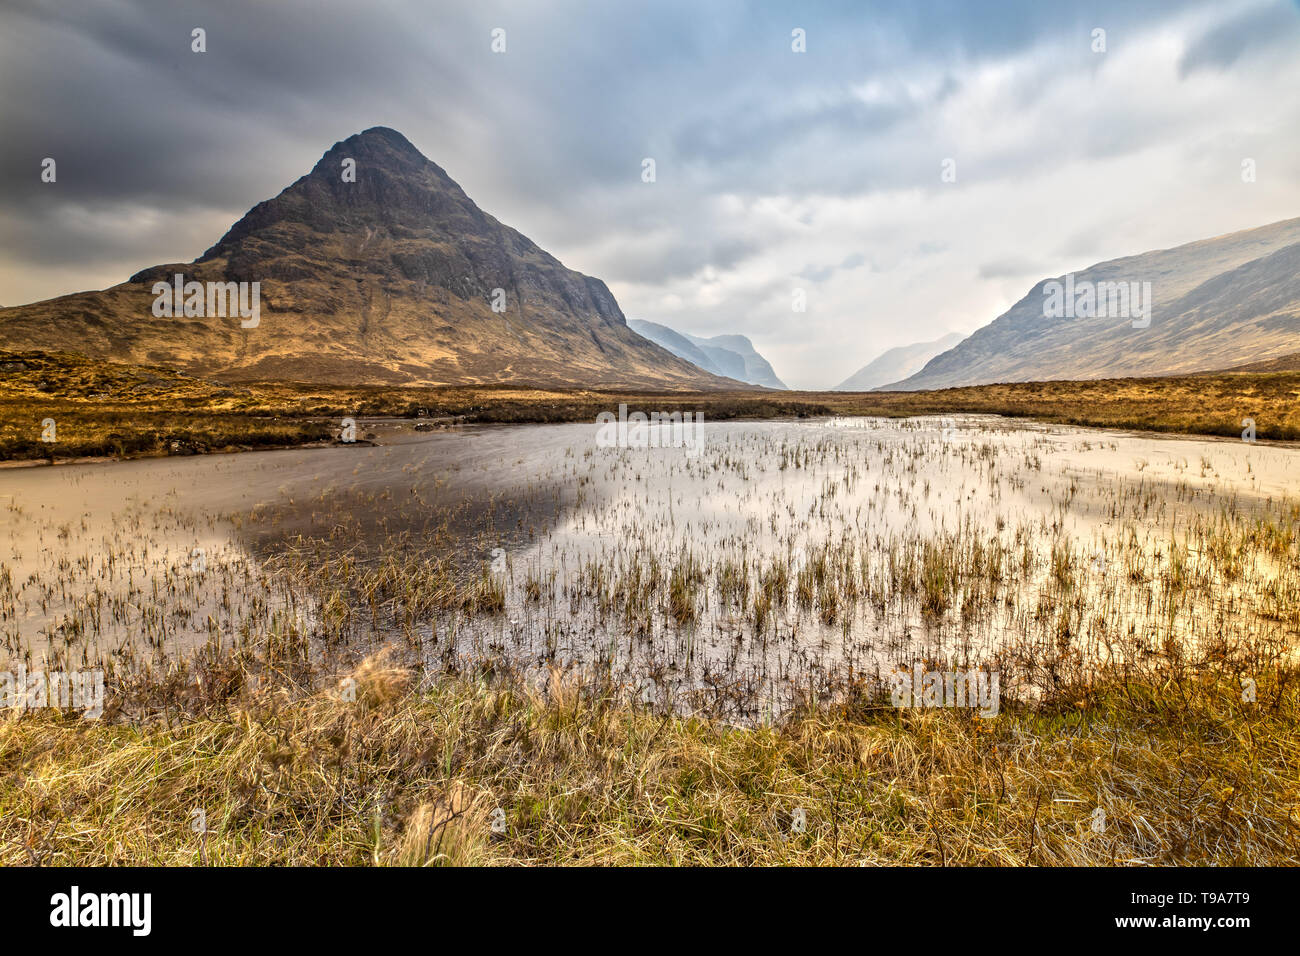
point(388, 279)
point(896, 363)
point(731, 355)
point(1218, 303)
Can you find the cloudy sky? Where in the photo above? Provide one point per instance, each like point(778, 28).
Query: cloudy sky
point(776, 170)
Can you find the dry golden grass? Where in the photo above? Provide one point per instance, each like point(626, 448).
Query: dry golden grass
point(1184, 771)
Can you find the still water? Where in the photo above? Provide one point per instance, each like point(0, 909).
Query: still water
point(780, 555)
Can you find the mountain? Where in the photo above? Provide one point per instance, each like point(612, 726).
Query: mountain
point(732, 356)
point(387, 279)
point(896, 363)
point(1283, 363)
point(1217, 303)
point(757, 370)
point(674, 342)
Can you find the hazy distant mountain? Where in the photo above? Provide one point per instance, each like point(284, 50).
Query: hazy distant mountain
point(1218, 303)
point(389, 278)
point(732, 356)
point(896, 363)
point(674, 342)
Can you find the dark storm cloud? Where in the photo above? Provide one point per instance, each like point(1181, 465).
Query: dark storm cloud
point(114, 93)
point(139, 123)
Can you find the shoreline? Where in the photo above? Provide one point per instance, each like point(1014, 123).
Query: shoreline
point(110, 412)
point(12, 463)
point(42, 462)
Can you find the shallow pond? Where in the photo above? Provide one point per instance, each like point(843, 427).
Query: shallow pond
point(768, 560)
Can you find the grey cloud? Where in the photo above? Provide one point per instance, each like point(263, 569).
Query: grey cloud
point(817, 273)
point(1009, 269)
point(671, 256)
point(1225, 43)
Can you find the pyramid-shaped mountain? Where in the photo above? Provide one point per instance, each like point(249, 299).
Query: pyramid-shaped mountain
point(389, 276)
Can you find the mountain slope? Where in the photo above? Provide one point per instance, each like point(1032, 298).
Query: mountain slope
point(674, 342)
point(1217, 303)
point(388, 279)
point(1283, 363)
point(731, 355)
point(896, 363)
point(757, 370)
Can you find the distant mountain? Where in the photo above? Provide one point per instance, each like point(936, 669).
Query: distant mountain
point(896, 363)
point(674, 342)
point(732, 356)
point(752, 367)
point(1217, 303)
point(388, 278)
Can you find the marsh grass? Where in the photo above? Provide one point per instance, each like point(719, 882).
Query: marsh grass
point(410, 772)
